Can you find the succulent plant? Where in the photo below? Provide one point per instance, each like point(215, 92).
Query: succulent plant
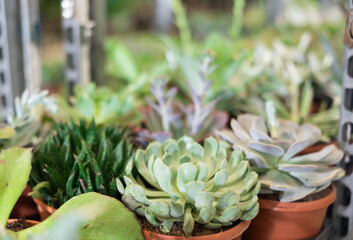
point(100, 103)
point(293, 77)
point(24, 120)
point(189, 183)
point(272, 148)
point(79, 158)
point(197, 119)
point(91, 215)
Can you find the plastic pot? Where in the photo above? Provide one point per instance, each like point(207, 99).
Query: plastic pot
point(44, 209)
point(293, 220)
point(25, 206)
point(234, 233)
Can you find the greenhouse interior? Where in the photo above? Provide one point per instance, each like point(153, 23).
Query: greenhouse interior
point(176, 119)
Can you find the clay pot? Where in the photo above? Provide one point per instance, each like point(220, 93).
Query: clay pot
point(44, 210)
point(25, 206)
point(234, 233)
point(293, 220)
point(30, 222)
point(316, 148)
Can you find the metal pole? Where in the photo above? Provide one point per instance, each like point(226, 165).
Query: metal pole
point(164, 15)
point(98, 18)
point(343, 208)
point(84, 30)
point(29, 10)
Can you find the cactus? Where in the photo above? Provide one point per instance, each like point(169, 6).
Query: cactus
point(272, 148)
point(189, 183)
point(79, 159)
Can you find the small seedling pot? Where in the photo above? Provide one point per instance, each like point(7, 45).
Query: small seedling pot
point(293, 220)
point(234, 233)
point(44, 209)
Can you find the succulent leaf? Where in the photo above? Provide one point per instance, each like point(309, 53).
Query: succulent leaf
point(272, 148)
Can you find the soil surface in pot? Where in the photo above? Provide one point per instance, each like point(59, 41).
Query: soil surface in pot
point(312, 197)
point(18, 225)
point(177, 230)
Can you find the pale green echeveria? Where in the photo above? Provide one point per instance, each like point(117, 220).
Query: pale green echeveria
point(272, 148)
point(208, 185)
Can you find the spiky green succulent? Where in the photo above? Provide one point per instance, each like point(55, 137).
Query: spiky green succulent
point(272, 148)
point(79, 158)
point(181, 181)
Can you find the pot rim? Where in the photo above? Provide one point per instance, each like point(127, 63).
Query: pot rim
point(48, 208)
point(232, 233)
point(30, 222)
point(299, 206)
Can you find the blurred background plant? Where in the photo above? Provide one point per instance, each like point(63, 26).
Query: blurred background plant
point(26, 122)
point(228, 30)
point(194, 115)
point(99, 103)
point(299, 82)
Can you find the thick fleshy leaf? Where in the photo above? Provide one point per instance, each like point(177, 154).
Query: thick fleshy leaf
point(251, 213)
point(211, 147)
point(206, 214)
point(287, 167)
point(197, 152)
point(328, 155)
point(177, 207)
point(203, 199)
point(193, 188)
point(188, 222)
point(166, 226)
point(15, 167)
point(229, 215)
point(163, 175)
point(202, 171)
point(104, 218)
point(186, 173)
point(319, 177)
point(160, 210)
point(275, 180)
point(295, 148)
point(266, 148)
point(239, 131)
point(259, 136)
point(221, 178)
point(296, 193)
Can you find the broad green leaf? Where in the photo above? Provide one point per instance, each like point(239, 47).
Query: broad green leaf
point(7, 132)
point(104, 218)
point(15, 167)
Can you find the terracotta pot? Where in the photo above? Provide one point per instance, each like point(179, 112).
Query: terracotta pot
point(25, 206)
point(44, 209)
point(234, 233)
point(316, 148)
point(30, 222)
point(294, 220)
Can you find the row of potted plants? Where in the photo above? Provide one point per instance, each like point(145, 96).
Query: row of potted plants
point(178, 186)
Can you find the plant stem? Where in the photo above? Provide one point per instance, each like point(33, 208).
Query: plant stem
point(295, 102)
point(238, 11)
point(182, 24)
